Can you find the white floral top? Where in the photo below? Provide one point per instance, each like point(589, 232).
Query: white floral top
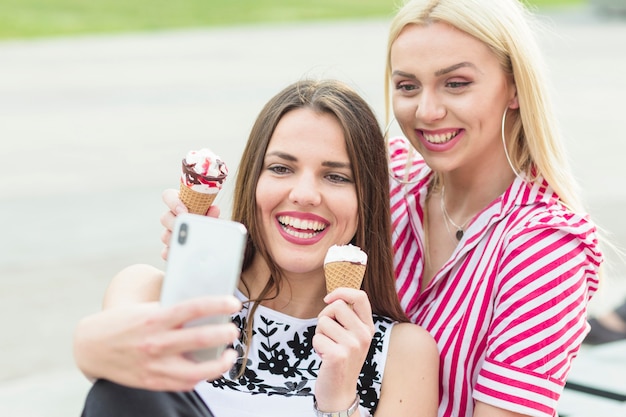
point(282, 366)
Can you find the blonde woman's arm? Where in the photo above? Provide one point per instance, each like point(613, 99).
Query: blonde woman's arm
point(485, 410)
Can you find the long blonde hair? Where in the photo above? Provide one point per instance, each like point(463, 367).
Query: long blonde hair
point(534, 142)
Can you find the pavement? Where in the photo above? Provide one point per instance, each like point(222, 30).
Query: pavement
point(93, 128)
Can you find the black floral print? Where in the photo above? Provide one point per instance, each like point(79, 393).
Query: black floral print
point(282, 360)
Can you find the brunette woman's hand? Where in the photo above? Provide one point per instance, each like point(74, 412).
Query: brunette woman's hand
point(142, 345)
point(344, 333)
point(175, 207)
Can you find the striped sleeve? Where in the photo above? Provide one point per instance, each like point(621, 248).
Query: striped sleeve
point(406, 182)
point(548, 271)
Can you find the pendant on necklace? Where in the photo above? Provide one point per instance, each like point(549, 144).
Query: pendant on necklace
point(459, 234)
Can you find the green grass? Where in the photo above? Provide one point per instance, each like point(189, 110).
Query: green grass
point(42, 18)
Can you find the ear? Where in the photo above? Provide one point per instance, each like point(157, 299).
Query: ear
point(514, 102)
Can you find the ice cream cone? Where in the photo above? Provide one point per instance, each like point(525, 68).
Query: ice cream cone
point(196, 202)
point(343, 274)
point(203, 173)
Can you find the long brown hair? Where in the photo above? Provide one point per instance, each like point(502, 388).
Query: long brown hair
point(366, 149)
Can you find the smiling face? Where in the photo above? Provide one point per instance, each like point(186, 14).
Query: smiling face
point(306, 196)
point(449, 95)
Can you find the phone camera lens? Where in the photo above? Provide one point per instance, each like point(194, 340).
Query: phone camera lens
point(182, 234)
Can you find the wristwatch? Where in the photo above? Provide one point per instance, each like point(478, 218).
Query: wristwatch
point(345, 413)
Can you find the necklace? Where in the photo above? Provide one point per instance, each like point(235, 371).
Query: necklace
point(460, 230)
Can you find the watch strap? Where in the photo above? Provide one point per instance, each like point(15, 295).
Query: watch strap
point(344, 413)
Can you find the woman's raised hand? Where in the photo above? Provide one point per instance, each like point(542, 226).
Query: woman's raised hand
point(175, 207)
point(342, 339)
point(142, 345)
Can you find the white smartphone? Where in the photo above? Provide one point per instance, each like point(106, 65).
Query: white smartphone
point(205, 258)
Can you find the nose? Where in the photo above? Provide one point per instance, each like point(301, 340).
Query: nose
point(305, 191)
point(429, 107)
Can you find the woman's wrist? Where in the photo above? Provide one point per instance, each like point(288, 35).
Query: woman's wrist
point(342, 413)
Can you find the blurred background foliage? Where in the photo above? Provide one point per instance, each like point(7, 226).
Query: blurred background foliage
point(44, 18)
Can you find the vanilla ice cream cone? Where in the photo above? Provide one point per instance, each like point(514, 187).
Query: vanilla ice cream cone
point(344, 266)
point(343, 274)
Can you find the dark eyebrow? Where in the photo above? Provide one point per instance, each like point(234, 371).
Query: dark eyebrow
point(291, 158)
point(282, 155)
point(332, 164)
point(454, 67)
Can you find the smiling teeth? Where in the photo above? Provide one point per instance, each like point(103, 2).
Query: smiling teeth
point(306, 228)
point(443, 138)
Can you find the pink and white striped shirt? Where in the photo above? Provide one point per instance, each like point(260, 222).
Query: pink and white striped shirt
point(508, 309)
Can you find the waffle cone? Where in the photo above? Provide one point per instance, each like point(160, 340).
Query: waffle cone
point(197, 203)
point(343, 274)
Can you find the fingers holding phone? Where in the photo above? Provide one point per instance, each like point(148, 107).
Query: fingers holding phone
point(205, 258)
point(182, 338)
point(143, 345)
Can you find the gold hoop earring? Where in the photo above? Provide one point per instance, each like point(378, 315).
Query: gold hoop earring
point(506, 151)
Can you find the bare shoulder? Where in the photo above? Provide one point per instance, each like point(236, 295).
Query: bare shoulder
point(409, 338)
point(411, 379)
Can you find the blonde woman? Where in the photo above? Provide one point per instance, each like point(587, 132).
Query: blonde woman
point(494, 254)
